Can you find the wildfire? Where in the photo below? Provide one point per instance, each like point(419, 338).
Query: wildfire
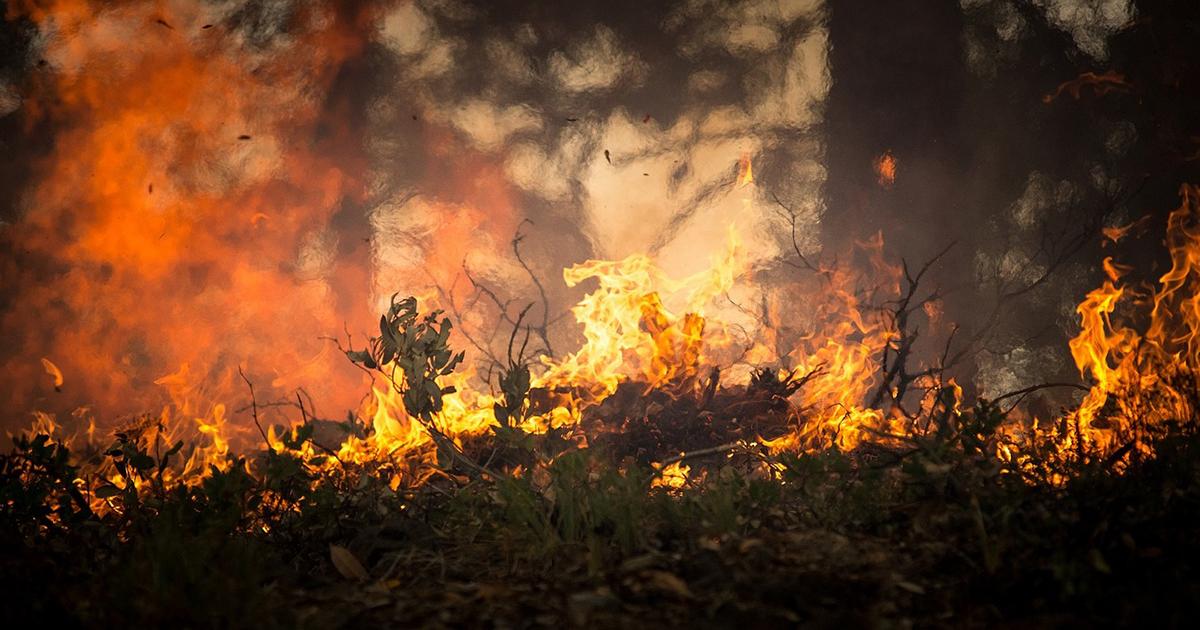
point(195, 255)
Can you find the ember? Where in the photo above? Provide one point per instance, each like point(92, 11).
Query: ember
point(885, 168)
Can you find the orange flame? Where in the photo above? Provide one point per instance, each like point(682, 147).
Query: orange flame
point(187, 202)
point(1142, 380)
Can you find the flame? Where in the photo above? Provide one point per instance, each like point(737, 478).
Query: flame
point(187, 202)
point(1142, 380)
point(629, 333)
point(841, 350)
point(672, 477)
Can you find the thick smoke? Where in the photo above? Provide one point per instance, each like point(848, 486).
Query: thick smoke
point(208, 186)
point(180, 223)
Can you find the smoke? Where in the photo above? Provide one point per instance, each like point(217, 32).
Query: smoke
point(181, 221)
point(225, 185)
point(230, 182)
point(593, 135)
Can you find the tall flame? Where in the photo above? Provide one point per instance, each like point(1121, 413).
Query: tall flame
point(1142, 379)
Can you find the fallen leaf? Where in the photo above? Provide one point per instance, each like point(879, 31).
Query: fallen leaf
point(347, 564)
point(639, 563)
point(665, 582)
point(1098, 562)
point(748, 544)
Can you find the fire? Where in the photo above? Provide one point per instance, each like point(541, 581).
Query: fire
point(628, 331)
point(185, 206)
point(189, 203)
point(1142, 378)
point(673, 476)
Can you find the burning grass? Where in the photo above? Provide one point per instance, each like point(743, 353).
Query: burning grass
point(942, 535)
point(636, 481)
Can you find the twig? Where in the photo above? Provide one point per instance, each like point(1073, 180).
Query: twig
point(732, 446)
point(541, 330)
point(791, 216)
point(1021, 393)
point(304, 416)
point(896, 377)
point(254, 408)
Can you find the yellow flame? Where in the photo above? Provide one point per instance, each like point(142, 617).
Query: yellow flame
point(1141, 380)
point(673, 476)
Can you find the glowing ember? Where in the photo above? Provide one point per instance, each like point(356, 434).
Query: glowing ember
point(745, 171)
point(885, 169)
point(1101, 84)
point(54, 372)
